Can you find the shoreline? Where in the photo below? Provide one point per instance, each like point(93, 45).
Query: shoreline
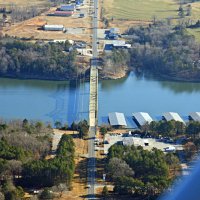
point(146, 74)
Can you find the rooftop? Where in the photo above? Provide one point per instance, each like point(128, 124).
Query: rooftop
point(195, 116)
point(168, 116)
point(142, 118)
point(117, 119)
point(53, 26)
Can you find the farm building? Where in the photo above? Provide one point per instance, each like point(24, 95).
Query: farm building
point(142, 118)
point(168, 116)
point(53, 27)
point(63, 13)
point(67, 8)
point(118, 44)
point(117, 119)
point(195, 116)
point(128, 141)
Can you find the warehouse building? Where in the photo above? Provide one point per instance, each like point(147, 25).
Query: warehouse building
point(67, 8)
point(63, 13)
point(117, 119)
point(142, 118)
point(53, 27)
point(168, 116)
point(195, 116)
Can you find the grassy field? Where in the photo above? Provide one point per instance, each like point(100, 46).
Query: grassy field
point(23, 2)
point(145, 10)
point(195, 32)
point(139, 9)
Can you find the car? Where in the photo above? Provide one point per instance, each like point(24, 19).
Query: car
point(170, 149)
point(88, 186)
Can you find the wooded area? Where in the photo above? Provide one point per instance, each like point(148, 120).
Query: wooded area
point(24, 146)
point(46, 61)
point(141, 173)
point(165, 51)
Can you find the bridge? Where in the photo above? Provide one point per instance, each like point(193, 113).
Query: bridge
point(93, 106)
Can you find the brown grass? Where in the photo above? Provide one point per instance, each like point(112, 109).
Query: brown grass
point(23, 2)
point(30, 28)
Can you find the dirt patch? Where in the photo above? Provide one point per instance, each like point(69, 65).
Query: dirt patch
point(32, 28)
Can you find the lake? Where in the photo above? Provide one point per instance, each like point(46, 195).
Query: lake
point(65, 101)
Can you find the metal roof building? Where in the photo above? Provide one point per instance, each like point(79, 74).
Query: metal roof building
point(53, 27)
point(117, 119)
point(67, 7)
point(168, 116)
point(195, 116)
point(142, 118)
point(63, 13)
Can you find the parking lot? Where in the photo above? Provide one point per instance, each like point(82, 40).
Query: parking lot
point(111, 139)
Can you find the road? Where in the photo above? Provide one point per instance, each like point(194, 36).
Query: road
point(93, 107)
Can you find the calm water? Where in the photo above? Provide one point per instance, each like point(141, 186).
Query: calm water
point(64, 101)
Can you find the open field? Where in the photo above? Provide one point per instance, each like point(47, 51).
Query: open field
point(23, 2)
point(140, 10)
point(195, 32)
point(146, 10)
point(137, 12)
point(31, 28)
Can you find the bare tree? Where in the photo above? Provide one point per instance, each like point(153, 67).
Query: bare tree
point(118, 168)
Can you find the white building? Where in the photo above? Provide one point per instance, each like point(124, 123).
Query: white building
point(142, 118)
point(195, 116)
point(53, 27)
point(117, 119)
point(68, 7)
point(168, 116)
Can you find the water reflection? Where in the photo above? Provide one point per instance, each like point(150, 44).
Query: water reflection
point(68, 101)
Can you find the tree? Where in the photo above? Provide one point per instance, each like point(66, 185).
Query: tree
point(189, 10)
point(25, 123)
point(65, 127)
point(74, 126)
point(190, 150)
point(105, 191)
point(83, 128)
point(118, 168)
point(58, 125)
point(46, 194)
point(103, 130)
point(181, 12)
point(173, 163)
point(193, 129)
point(151, 170)
point(61, 188)
point(2, 197)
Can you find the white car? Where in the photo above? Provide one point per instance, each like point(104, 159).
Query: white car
point(170, 149)
point(88, 186)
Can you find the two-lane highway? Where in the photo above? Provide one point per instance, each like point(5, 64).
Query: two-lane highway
point(93, 107)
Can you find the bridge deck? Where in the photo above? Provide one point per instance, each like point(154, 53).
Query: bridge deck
point(93, 96)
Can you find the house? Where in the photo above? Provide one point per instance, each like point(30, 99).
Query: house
point(117, 120)
point(53, 27)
